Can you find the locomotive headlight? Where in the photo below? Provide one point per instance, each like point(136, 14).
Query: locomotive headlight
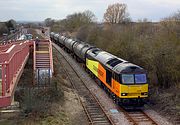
point(123, 94)
point(144, 93)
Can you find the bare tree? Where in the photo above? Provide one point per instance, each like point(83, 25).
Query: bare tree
point(89, 16)
point(116, 13)
point(76, 20)
point(49, 22)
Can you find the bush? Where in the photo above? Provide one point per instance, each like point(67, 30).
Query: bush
point(146, 44)
point(37, 101)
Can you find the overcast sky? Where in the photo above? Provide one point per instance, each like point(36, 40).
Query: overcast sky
point(38, 10)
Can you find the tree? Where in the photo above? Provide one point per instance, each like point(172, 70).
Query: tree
point(89, 16)
point(3, 28)
point(76, 20)
point(116, 13)
point(11, 24)
point(175, 17)
point(49, 22)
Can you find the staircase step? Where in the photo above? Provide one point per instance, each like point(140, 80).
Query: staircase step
point(43, 60)
point(43, 56)
point(42, 66)
point(45, 64)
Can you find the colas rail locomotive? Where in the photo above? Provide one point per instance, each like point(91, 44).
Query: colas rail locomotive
point(125, 82)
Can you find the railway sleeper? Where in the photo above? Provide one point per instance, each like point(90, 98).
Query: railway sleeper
point(140, 118)
point(83, 93)
point(91, 104)
point(100, 119)
point(89, 96)
point(95, 111)
point(98, 116)
point(93, 107)
point(101, 123)
point(91, 101)
point(95, 116)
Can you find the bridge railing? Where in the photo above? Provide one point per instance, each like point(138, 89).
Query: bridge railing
point(10, 62)
point(50, 55)
point(34, 55)
point(0, 80)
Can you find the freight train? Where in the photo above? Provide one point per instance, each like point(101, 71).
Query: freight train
point(125, 82)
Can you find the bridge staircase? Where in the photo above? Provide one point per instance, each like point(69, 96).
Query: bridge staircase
point(43, 63)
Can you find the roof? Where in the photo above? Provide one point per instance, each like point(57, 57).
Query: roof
point(127, 67)
point(116, 64)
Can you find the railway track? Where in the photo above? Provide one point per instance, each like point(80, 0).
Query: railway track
point(92, 107)
point(138, 117)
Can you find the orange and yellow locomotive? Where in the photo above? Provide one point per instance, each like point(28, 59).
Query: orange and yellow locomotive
point(125, 82)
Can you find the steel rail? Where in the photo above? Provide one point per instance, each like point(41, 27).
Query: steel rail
point(137, 117)
point(91, 100)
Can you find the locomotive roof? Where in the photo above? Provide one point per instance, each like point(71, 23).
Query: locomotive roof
point(116, 64)
point(107, 58)
point(127, 67)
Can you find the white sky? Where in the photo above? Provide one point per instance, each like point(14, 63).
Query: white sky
point(38, 10)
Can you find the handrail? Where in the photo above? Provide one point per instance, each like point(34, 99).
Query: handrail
point(11, 61)
point(4, 56)
point(34, 55)
point(3, 48)
point(50, 55)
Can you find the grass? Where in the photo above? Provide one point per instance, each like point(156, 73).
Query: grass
point(6, 122)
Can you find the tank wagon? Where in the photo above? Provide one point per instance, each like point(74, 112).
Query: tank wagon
point(125, 82)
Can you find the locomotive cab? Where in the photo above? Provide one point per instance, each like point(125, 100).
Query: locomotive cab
point(133, 84)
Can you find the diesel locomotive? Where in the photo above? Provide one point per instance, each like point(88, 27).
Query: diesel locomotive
point(125, 82)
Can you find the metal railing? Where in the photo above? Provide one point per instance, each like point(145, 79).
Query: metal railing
point(0, 80)
point(51, 58)
point(11, 61)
